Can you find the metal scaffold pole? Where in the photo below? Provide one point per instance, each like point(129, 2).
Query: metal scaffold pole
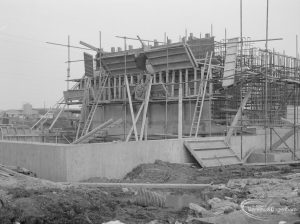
point(241, 65)
point(296, 102)
point(266, 79)
point(125, 76)
point(100, 53)
point(167, 79)
point(297, 75)
point(69, 63)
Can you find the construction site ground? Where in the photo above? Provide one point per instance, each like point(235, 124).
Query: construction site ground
point(25, 199)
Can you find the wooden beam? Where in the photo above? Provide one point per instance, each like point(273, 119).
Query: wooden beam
point(210, 101)
point(131, 108)
point(131, 80)
point(154, 77)
point(109, 88)
point(195, 81)
point(173, 83)
point(283, 139)
point(136, 120)
point(119, 87)
point(104, 92)
point(186, 82)
point(237, 117)
point(291, 122)
point(146, 128)
point(202, 80)
point(272, 163)
point(147, 96)
point(167, 76)
point(180, 106)
point(115, 88)
point(101, 126)
point(57, 116)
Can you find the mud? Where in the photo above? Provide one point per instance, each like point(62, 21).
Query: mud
point(30, 200)
point(164, 172)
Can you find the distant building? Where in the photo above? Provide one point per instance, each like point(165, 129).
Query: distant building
point(14, 113)
point(29, 112)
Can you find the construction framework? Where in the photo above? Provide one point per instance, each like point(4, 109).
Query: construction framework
point(195, 87)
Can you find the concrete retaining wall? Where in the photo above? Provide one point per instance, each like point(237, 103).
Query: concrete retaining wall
point(46, 160)
point(59, 162)
point(114, 160)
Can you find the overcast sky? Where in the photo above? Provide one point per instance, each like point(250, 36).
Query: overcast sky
point(35, 72)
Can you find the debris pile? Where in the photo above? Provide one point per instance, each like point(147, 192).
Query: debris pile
point(25, 199)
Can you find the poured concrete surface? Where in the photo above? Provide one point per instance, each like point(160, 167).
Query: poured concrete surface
point(114, 160)
point(46, 160)
point(60, 162)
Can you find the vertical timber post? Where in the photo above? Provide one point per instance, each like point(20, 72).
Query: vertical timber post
point(180, 106)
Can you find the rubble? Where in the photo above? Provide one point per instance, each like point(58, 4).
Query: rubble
point(199, 210)
point(26, 199)
point(219, 206)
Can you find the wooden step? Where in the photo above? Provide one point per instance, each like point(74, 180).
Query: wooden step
point(212, 152)
point(207, 145)
point(205, 149)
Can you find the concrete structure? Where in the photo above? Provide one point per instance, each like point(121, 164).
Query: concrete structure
point(170, 91)
point(61, 162)
point(173, 69)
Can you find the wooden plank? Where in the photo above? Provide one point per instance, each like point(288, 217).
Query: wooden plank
point(230, 62)
point(272, 163)
point(194, 154)
point(115, 88)
point(101, 126)
point(57, 116)
point(109, 88)
point(160, 77)
point(119, 87)
point(283, 139)
point(195, 81)
point(173, 83)
point(167, 77)
point(208, 145)
point(146, 108)
point(186, 79)
point(221, 161)
point(146, 128)
point(237, 117)
point(210, 154)
point(136, 119)
point(180, 106)
point(131, 80)
point(131, 108)
point(190, 55)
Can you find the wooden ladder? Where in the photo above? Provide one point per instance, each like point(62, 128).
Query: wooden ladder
point(89, 119)
point(85, 103)
point(201, 96)
point(56, 107)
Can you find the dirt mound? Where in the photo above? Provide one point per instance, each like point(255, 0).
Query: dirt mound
point(165, 172)
point(31, 200)
point(78, 205)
